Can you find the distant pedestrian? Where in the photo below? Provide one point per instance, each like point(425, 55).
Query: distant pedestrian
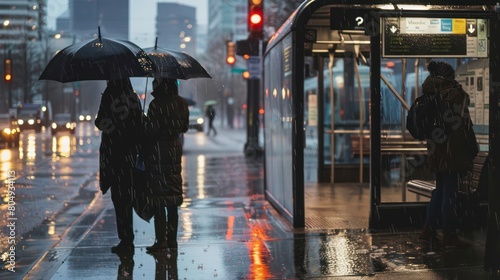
point(119, 119)
point(450, 152)
point(168, 116)
point(210, 113)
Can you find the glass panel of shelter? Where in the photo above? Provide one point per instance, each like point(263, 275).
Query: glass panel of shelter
point(347, 68)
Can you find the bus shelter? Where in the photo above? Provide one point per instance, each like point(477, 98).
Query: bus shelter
point(338, 81)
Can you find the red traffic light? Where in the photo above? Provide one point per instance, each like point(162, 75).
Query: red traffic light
point(255, 16)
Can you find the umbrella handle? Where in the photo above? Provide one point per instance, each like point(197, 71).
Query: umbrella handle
point(145, 95)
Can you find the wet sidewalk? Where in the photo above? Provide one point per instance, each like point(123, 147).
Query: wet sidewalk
point(228, 231)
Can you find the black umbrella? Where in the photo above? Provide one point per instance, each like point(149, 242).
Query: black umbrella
point(175, 65)
point(98, 59)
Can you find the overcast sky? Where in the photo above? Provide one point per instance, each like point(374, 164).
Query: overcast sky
point(142, 16)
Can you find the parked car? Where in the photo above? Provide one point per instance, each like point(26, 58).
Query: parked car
point(63, 122)
point(9, 130)
point(196, 119)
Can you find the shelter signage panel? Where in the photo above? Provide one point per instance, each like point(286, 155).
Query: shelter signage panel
point(434, 37)
point(348, 19)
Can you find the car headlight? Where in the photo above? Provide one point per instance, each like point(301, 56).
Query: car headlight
point(81, 118)
point(200, 120)
point(6, 130)
point(31, 121)
point(54, 125)
point(88, 118)
point(20, 122)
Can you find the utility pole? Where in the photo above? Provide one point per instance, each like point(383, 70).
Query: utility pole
point(254, 49)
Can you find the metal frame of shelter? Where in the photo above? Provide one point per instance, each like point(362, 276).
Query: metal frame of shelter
point(286, 51)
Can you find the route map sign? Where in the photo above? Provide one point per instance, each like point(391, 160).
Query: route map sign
point(434, 37)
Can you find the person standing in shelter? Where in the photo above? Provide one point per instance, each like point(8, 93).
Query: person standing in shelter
point(120, 120)
point(210, 113)
point(167, 118)
point(450, 154)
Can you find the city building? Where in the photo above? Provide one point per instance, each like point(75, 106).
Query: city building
point(22, 25)
point(112, 16)
point(176, 27)
point(63, 22)
point(22, 21)
point(227, 21)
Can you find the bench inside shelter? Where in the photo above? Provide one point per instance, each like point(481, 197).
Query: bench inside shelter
point(389, 144)
point(425, 187)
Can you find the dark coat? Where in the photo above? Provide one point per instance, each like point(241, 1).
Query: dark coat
point(119, 119)
point(457, 152)
point(168, 117)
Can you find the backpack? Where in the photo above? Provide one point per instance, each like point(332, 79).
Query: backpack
point(425, 116)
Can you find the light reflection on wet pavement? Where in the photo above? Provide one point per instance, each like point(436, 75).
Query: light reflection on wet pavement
point(227, 230)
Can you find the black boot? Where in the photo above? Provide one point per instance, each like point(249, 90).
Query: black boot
point(159, 246)
point(123, 247)
point(160, 232)
point(172, 236)
point(172, 226)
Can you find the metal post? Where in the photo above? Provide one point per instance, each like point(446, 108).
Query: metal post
point(492, 247)
point(10, 95)
point(332, 117)
point(251, 146)
point(10, 82)
point(253, 96)
point(375, 175)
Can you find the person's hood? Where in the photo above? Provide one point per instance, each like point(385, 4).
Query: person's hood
point(434, 85)
point(162, 90)
point(441, 69)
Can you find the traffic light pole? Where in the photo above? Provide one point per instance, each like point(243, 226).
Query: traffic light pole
point(255, 27)
point(252, 145)
point(10, 95)
point(253, 93)
point(8, 76)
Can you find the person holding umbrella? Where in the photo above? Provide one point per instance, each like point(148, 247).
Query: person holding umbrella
point(119, 118)
point(167, 118)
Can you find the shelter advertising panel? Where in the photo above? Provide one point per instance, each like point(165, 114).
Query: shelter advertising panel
point(434, 37)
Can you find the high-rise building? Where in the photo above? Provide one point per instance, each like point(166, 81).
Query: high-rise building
point(22, 22)
point(176, 27)
point(227, 20)
point(63, 22)
point(112, 16)
point(22, 27)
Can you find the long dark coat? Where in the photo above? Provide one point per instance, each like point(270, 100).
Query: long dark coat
point(457, 152)
point(168, 116)
point(119, 119)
